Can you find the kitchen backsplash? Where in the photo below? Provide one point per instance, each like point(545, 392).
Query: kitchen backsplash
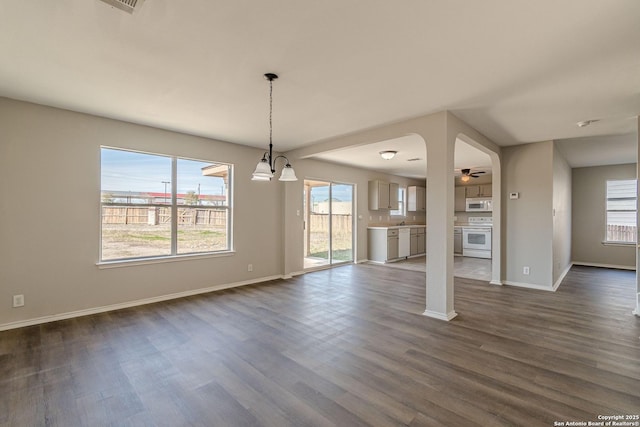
point(463, 217)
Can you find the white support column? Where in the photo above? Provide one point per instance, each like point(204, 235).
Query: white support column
point(440, 194)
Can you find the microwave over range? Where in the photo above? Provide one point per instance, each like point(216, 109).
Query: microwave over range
point(479, 205)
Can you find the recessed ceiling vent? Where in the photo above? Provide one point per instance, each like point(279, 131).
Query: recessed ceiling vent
point(126, 5)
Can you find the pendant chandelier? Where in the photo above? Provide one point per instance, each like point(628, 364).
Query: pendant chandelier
point(267, 166)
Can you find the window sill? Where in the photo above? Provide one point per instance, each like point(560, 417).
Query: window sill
point(628, 244)
point(160, 260)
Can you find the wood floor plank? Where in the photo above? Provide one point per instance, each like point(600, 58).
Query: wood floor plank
point(347, 346)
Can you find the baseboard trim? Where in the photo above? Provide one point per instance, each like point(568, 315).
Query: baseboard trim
point(496, 282)
point(561, 278)
point(297, 273)
point(128, 304)
point(440, 316)
point(548, 288)
point(595, 264)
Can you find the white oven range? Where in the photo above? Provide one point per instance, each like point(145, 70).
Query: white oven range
point(476, 237)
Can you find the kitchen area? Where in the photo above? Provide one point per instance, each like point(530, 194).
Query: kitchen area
point(473, 228)
point(402, 244)
point(392, 241)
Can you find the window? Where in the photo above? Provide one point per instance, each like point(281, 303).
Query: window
point(402, 207)
point(162, 206)
point(621, 211)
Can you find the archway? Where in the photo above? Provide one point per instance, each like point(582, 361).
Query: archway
point(496, 184)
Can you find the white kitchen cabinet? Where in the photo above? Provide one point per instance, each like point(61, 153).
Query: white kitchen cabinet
point(416, 199)
point(482, 190)
point(383, 195)
point(383, 244)
point(460, 199)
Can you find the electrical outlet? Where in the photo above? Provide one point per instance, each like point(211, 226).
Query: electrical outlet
point(250, 267)
point(18, 301)
point(525, 270)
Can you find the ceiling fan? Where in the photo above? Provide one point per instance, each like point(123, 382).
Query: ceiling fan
point(466, 174)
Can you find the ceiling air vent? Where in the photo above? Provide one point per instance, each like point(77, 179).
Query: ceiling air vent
point(126, 5)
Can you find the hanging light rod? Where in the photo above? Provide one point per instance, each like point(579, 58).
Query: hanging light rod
point(267, 166)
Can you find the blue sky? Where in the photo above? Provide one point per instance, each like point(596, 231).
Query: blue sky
point(339, 191)
point(131, 171)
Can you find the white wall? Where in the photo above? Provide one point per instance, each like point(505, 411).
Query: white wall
point(589, 217)
point(528, 225)
point(50, 216)
point(562, 190)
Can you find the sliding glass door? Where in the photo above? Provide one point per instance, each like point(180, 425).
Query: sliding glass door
point(328, 209)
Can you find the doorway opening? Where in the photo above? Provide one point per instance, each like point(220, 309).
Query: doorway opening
point(328, 219)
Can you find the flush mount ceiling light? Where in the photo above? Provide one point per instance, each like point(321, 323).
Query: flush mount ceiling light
point(388, 155)
point(266, 167)
point(586, 123)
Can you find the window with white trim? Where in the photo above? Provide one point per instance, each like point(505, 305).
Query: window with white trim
point(402, 206)
point(621, 211)
point(162, 206)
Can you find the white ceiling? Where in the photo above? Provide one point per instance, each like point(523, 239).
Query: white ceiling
point(411, 159)
point(518, 71)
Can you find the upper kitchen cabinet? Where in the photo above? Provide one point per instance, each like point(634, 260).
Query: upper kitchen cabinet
point(483, 190)
point(383, 195)
point(416, 199)
point(460, 199)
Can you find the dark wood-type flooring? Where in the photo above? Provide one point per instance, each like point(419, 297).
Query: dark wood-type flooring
point(341, 347)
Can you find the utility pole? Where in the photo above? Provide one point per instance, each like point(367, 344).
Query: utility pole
point(165, 190)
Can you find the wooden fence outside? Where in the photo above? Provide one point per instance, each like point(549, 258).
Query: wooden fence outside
point(154, 215)
point(341, 224)
point(621, 233)
point(318, 232)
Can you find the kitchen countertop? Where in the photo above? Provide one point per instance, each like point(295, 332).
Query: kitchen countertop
point(395, 227)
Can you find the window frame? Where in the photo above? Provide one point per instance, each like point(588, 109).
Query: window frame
point(174, 206)
point(402, 204)
point(606, 240)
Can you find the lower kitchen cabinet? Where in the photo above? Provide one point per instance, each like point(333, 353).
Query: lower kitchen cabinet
point(383, 244)
point(386, 245)
point(418, 241)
